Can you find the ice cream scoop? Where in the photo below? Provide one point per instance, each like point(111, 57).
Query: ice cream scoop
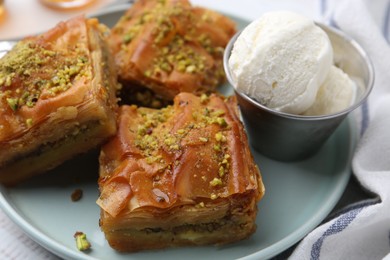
point(291, 137)
point(281, 60)
point(335, 94)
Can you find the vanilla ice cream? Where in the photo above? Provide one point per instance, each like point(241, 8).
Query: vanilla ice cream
point(337, 93)
point(281, 60)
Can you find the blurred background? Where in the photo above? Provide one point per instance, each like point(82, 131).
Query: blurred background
point(20, 18)
point(25, 17)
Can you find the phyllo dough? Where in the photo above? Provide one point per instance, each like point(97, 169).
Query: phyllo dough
point(170, 46)
point(182, 175)
point(57, 98)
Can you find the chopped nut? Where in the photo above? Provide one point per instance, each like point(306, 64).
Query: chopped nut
point(174, 147)
point(203, 139)
point(204, 98)
point(29, 122)
point(221, 121)
point(219, 113)
point(220, 137)
point(77, 194)
point(221, 171)
point(127, 38)
point(55, 72)
point(215, 182)
point(169, 141)
point(81, 241)
point(13, 103)
point(191, 69)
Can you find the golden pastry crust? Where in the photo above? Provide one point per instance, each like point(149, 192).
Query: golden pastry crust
point(57, 98)
point(181, 175)
point(171, 47)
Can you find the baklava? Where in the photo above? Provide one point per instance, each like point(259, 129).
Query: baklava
point(170, 47)
point(57, 98)
point(177, 176)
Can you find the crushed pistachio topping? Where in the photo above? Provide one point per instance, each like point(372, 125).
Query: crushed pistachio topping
point(154, 133)
point(217, 147)
point(224, 165)
point(210, 116)
point(13, 103)
point(171, 45)
point(204, 98)
point(220, 137)
point(29, 70)
point(160, 14)
point(215, 182)
point(81, 241)
point(136, 27)
point(147, 140)
point(221, 121)
point(154, 159)
point(29, 122)
point(203, 139)
point(176, 56)
point(207, 44)
point(213, 196)
point(221, 171)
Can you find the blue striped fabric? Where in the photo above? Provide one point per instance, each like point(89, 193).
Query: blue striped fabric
point(345, 217)
point(339, 225)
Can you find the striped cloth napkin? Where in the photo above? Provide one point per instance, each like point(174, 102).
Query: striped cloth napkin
point(362, 230)
point(15, 244)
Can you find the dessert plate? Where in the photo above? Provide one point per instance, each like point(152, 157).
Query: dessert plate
point(298, 197)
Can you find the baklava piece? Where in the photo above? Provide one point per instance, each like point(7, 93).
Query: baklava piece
point(181, 175)
point(57, 98)
point(170, 46)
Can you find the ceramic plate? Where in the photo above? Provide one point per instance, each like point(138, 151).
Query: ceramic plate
point(298, 197)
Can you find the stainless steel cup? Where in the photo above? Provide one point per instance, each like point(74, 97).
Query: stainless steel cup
point(288, 137)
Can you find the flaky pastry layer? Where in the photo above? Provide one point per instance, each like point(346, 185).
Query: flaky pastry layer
point(53, 87)
point(178, 170)
point(171, 47)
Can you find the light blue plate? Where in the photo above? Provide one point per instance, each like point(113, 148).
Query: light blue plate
point(298, 197)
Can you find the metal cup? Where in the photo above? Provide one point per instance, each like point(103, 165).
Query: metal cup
point(288, 137)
